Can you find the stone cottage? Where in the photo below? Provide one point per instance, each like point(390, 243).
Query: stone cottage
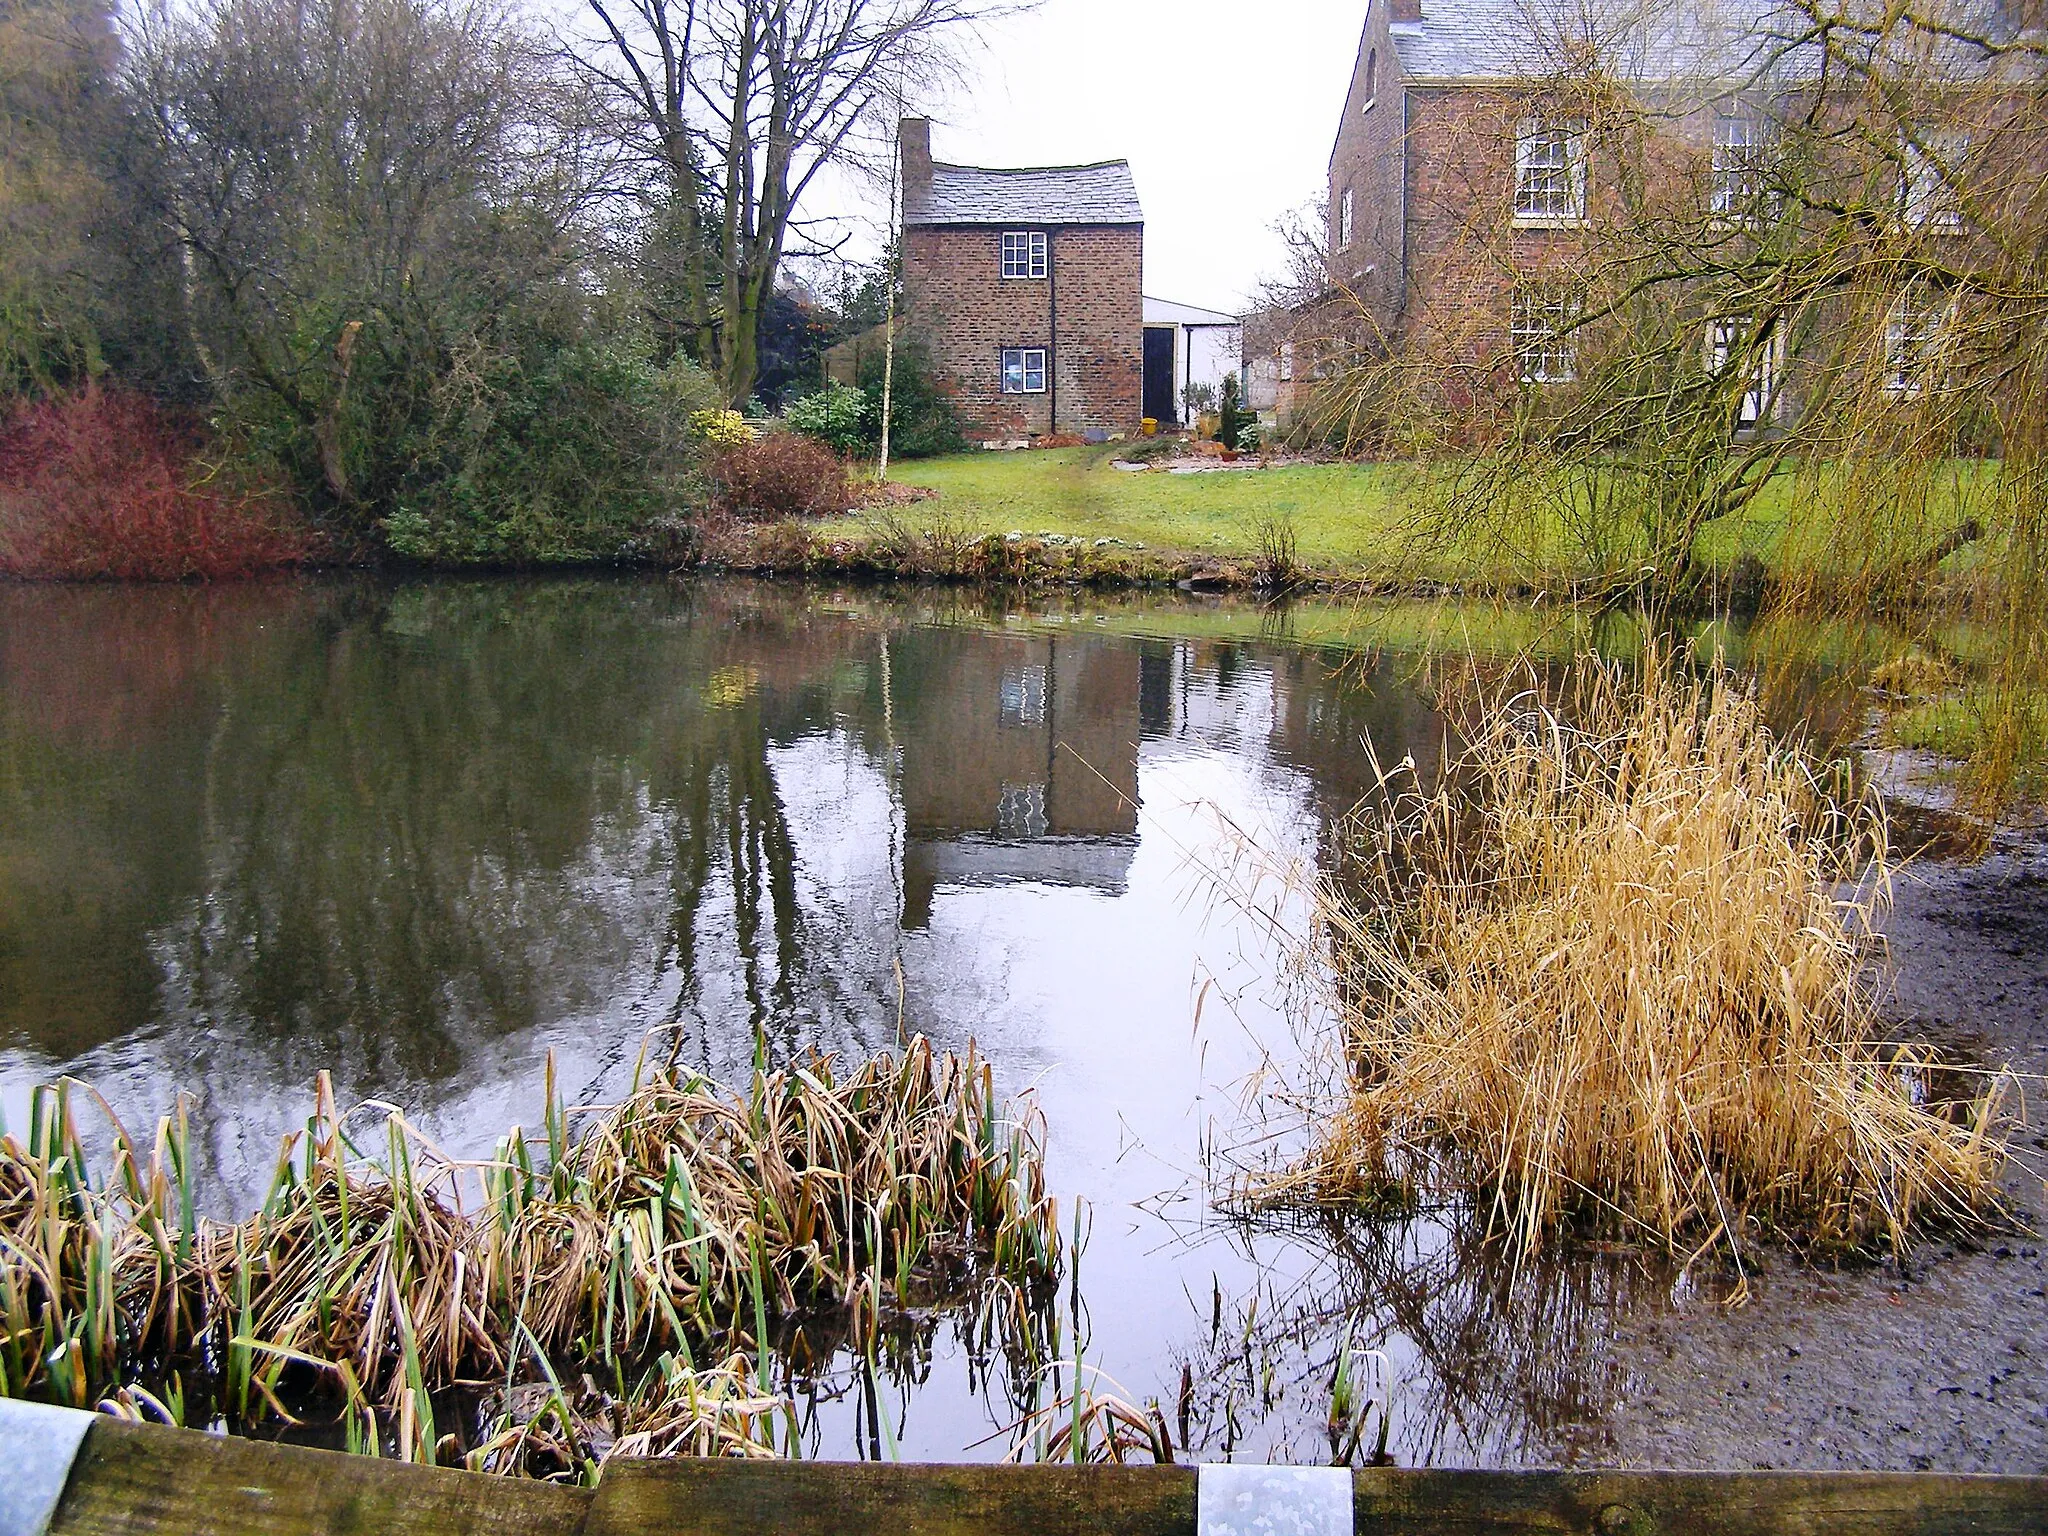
point(1023, 286)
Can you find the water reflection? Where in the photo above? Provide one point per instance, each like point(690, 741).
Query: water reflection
point(424, 834)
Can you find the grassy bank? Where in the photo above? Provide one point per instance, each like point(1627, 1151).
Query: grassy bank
point(1071, 515)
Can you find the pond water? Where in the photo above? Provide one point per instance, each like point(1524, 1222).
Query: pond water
point(425, 834)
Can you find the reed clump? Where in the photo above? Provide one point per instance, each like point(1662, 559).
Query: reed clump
point(687, 1222)
point(1605, 971)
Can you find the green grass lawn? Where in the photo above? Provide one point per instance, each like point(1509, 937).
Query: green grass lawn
point(1343, 514)
point(1347, 518)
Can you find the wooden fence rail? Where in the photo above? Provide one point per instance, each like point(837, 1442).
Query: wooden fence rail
point(136, 1480)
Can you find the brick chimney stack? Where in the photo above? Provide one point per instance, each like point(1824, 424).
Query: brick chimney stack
point(914, 146)
point(1404, 10)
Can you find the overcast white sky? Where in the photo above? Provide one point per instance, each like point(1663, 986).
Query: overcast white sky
point(1226, 110)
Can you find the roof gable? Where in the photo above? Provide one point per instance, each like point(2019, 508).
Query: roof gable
point(1058, 194)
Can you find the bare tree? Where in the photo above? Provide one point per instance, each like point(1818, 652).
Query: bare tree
point(729, 111)
point(335, 172)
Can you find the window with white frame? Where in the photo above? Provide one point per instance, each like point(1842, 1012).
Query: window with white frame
point(1344, 219)
point(1733, 342)
point(1286, 362)
point(1372, 78)
point(1740, 184)
point(1542, 323)
point(1550, 171)
point(1024, 253)
point(1931, 167)
point(1915, 333)
point(1024, 370)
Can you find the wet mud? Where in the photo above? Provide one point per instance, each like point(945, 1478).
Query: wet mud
point(1936, 1363)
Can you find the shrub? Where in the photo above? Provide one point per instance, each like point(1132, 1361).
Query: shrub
point(921, 419)
point(782, 475)
point(544, 454)
point(721, 428)
point(839, 416)
point(1235, 418)
point(106, 485)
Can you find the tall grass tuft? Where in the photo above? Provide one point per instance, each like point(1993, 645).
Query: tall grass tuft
point(1605, 970)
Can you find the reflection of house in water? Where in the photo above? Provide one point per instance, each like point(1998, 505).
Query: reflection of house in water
point(1020, 762)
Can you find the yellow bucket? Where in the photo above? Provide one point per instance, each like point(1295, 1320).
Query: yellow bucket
point(1149, 426)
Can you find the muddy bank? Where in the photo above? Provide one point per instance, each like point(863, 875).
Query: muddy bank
point(1939, 1363)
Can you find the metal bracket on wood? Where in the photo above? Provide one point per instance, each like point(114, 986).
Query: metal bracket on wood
point(37, 1446)
point(1272, 1501)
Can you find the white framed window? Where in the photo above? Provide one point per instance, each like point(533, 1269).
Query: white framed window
point(1541, 326)
point(1372, 78)
point(1344, 219)
point(1739, 186)
point(1024, 253)
point(1286, 362)
point(1550, 171)
point(1024, 370)
point(1930, 171)
point(1732, 341)
point(1916, 332)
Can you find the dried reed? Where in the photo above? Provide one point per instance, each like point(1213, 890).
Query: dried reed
point(1603, 970)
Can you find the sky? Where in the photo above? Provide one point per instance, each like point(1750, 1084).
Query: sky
point(1226, 110)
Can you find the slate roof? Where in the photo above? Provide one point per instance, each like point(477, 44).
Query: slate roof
point(1635, 39)
point(1670, 41)
point(1056, 194)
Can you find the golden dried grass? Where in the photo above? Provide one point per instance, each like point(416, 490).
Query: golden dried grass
point(1607, 969)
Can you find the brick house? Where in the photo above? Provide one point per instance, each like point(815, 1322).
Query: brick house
point(1024, 288)
point(1465, 186)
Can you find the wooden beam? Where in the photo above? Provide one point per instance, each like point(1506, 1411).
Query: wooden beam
point(813, 1498)
point(144, 1480)
point(810, 1498)
point(135, 1480)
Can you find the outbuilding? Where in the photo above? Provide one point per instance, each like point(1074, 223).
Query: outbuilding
point(1186, 345)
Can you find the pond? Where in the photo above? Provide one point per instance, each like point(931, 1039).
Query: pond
point(425, 834)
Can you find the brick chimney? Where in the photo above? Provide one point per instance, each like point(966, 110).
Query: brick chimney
point(1404, 10)
point(914, 146)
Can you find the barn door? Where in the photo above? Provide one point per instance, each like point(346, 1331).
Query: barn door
point(1159, 360)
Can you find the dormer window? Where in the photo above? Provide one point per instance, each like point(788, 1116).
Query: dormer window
point(1024, 253)
point(1550, 172)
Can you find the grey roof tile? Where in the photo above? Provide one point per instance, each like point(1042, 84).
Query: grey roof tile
point(1713, 42)
point(1058, 194)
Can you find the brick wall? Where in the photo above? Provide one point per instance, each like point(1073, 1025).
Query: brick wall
point(966, 313)
point(1366, 162)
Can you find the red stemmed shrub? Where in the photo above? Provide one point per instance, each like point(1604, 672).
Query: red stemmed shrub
point(781, 475)
point(108, 485)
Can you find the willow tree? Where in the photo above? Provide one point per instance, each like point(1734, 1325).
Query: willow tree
point(725, 114)
point(1806, 297)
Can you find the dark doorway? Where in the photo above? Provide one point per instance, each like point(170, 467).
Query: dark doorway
point(1159, 373)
